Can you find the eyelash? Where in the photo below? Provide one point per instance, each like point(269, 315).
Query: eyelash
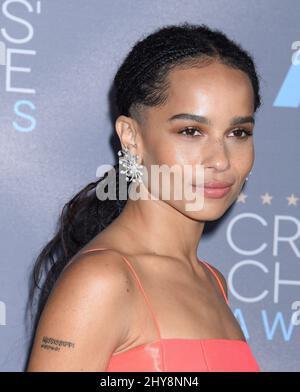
point(248, 133)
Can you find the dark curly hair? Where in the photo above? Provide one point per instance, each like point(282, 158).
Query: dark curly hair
point(141, 80)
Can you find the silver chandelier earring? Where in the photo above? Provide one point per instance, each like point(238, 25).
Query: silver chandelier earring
point(249, 176)
point(131, 168)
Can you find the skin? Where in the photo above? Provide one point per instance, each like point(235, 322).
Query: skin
point(219, 93)
point(159, 237)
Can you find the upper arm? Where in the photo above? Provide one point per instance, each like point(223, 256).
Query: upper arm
point(86, 316)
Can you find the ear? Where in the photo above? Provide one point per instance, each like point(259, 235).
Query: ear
point(127, 131)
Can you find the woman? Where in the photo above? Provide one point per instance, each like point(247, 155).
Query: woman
point(128, 292)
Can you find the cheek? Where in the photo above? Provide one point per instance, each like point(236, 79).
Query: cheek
point(169, 154)
point(175, 157)
point(242, 163)
point(243, 159)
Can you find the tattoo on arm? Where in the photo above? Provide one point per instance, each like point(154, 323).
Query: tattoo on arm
point(55, 344)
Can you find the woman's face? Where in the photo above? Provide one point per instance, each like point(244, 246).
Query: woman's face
point(220, 94)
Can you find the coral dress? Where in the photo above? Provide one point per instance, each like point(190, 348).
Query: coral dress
point(183, 355)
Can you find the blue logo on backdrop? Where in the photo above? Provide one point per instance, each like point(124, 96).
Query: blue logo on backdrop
point(289, 92)
point(10, 56)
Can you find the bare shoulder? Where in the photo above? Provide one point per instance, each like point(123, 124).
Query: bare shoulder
point(221, 277)
point(87, 315)
point(98, 272)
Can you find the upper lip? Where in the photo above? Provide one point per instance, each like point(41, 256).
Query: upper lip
point(217, 184)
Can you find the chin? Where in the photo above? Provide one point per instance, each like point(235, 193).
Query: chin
point(208, 213)
point(213, 215)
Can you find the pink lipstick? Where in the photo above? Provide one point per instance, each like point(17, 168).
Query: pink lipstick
point(215, 189)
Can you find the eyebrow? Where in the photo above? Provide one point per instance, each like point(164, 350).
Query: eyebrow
point(204, 120)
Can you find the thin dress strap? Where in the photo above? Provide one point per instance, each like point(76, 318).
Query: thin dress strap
point(217, 278)
point(139, 285)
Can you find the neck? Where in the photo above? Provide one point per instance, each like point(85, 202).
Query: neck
point(160, 228)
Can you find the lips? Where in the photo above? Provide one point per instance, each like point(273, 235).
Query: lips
point(217, 184)
point(215, 190)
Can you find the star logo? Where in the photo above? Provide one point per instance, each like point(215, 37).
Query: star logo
point(292, 200)
point(266, 198)
point(241, 198)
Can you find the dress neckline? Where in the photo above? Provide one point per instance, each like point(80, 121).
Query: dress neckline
point(208, 340)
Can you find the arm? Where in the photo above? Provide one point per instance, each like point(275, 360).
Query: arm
point(86, 317)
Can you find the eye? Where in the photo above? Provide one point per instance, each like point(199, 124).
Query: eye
point(247, 133)
point(189, 130)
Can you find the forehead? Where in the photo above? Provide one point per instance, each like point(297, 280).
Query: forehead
point(214, 88)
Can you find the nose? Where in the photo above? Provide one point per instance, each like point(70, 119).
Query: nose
point(216, 155)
